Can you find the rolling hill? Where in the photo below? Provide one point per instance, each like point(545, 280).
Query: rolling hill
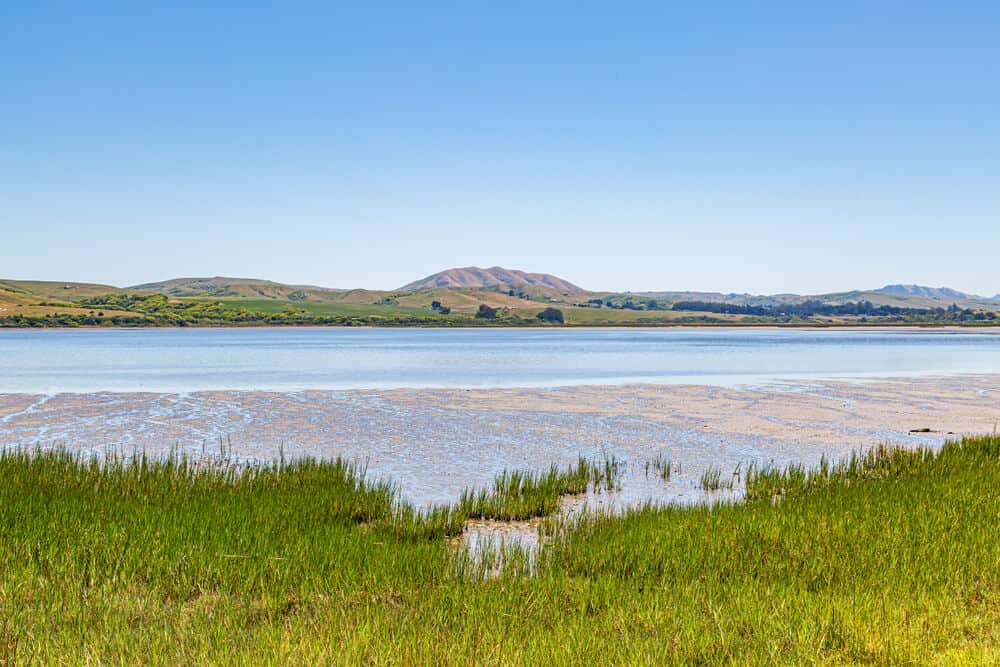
point(477, 278)
point(251, 288)
point(461, 291)
point(903, 296)
point(927, 292)
point(57, 290)
point(37, 298)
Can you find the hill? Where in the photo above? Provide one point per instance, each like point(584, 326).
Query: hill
point(477, 278)
point(40, 298)
point(57, 290)
point(939, 293)
point(903, 296)
point(454, 297)
point(251, 288)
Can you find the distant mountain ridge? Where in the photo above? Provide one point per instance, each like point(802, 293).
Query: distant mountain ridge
point(473, 277)
point(926, 292)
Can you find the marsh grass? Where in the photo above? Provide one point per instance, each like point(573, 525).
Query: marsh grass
point(518, 496)
point(881, 462)
point(891, 559)
point(713, 480)
point(661, 467)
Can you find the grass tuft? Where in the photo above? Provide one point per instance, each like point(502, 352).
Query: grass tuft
point(661, 467)
point(713, 480)
point(518, 496)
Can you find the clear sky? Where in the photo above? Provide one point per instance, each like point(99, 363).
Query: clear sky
point(740, 146)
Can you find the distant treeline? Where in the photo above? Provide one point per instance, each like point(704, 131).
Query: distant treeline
point(620, 302)
point(818, 308)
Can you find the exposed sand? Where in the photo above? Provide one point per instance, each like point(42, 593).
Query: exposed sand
point(434, 442)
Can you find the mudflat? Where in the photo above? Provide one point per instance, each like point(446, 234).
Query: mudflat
point(436, 442)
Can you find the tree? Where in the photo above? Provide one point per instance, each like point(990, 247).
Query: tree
point(486, 313)
point(551, 315)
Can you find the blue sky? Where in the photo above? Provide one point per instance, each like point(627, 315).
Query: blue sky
point(759, 147)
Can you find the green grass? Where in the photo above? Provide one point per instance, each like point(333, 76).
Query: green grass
point(529, 309)
point(313, 307)
point(661, 467)
point(610, 316)
point(713, 479)
point(882, 462)
point(517, 496)
point(891, 559)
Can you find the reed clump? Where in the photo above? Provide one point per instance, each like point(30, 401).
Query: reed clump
point(661, 467)
point(518, 495)
point(714, 480)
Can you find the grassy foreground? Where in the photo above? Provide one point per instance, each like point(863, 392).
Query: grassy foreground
point(891, 558)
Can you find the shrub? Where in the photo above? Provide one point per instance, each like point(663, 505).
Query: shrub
point(486, 313)
point(551, 315)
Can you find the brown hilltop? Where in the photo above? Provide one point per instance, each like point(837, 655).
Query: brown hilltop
point(477, 278)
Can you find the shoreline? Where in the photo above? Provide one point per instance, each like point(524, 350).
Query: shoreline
point(437, 442)
point(903, 326)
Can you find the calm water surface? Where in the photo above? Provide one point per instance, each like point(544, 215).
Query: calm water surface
point(182, 360)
